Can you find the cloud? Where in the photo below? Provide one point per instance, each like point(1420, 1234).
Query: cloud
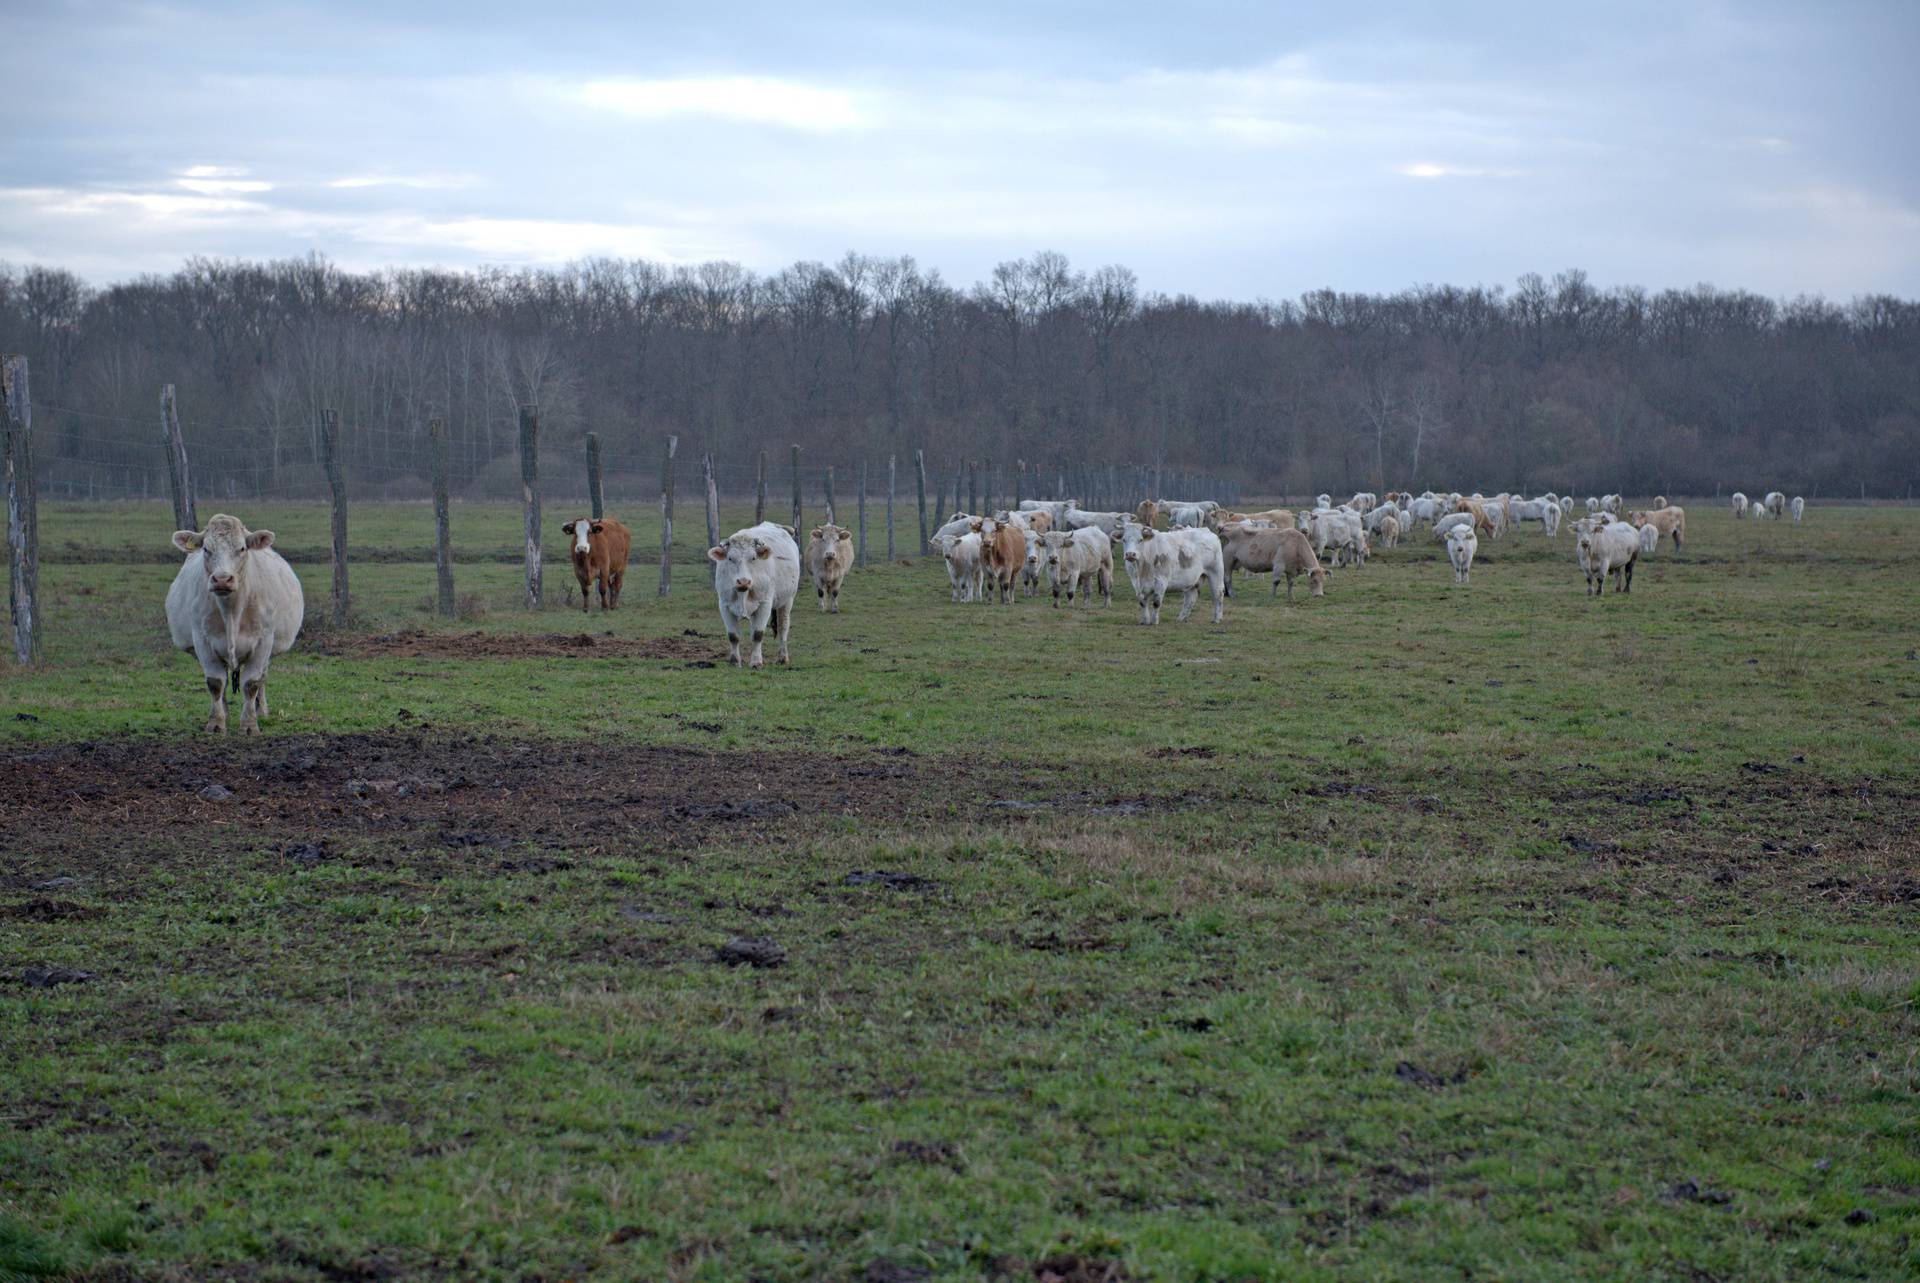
point(418, 182)
point(747, 99)
point(1428, 169)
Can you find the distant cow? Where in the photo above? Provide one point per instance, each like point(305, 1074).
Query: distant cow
point(234, 606)
point(829, 558)
point(756, 574)
point(600, 548)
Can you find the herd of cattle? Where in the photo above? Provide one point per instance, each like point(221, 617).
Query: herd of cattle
point(238, 603)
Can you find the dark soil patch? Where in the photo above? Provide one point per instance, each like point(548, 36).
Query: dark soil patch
point(49, 911)
point(307, 799)
point(933, 1153)
point(415, 643)
point(743, 951)
point(892, 881)
point(1408, 1072)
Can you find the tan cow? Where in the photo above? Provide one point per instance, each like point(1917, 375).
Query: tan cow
point(1671, 522)
point(829, 558)
point(1003, 554)
point(600, 548)
point(235, 606)
point(1482, 523)
point(1294, 557)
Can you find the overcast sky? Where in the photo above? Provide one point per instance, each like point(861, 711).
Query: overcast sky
point(1225, 150)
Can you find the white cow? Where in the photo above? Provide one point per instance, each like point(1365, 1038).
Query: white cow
point(235, 606)
point(1079, 562)
point(1739, 504)
point(1461, 545)
point(1776, 504)
point(1798, 507)
point(756, 573)
point(1055, 508)
point(966, 568)
point(1175, 560)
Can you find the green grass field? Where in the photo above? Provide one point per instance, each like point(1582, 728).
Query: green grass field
point(1413, 932)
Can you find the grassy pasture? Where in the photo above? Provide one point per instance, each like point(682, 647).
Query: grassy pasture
point(1412, 932)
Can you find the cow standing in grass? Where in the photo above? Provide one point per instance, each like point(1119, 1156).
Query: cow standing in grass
point(235, 604)
point(756, 574)
point(600, 548)
point(829, 558)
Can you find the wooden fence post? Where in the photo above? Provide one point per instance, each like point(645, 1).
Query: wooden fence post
point(666, 514)
point(594, 495)
point(957, 478)
point(530, 498)
point(760, 500)
point(939, 501)
point(920, 485)
point(893, 467)
point(442, 531)
point(185, 517)
point(829, 494)
point(796, 491)
point(973, 489)
point(1019, 485)
point(861, 551)
point(713, 502)
point(23, 517)
point(337, 491)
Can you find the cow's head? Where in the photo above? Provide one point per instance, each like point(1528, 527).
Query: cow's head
point(1317, 577)
point(736, 561)
point(581, 530)
point(223, 547)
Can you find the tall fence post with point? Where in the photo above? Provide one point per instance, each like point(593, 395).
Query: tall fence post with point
point(760, 492)
point(184, 515)
point(973, 489)
point(829, 493)
point(666, 514)
point(920, 487)
point(861, 551)
point(337, 492)
point(23, 518)
point(595, 496)
point(796, 491)
point(939, 502)
point(530, 498)
point(442, 525)
point(713, 501)
point(1019, 485)
point(893, 467)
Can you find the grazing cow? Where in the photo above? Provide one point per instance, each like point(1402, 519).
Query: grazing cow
point(1293, 557)
point(1080, 519)
point(1482, 522)
point(1078, 561)
point(1739, 504)
point(1003, 551)
point(1057, 509)
point(756, 575)
point(1665, 521)
point(829, 558)
point(235, 606)
point(1159, 562)
point(600, 548)
point(958, 524)
point(1776, 504)
point(1798, 507)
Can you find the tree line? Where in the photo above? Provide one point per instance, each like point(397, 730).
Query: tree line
point(1552, 384)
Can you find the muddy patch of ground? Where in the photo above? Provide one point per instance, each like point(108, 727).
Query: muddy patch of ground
point(95, 808)
point(417, 643)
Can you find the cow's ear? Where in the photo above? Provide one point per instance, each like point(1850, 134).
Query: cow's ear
point(567, 529)
point(186, 541)
point(761, 550)
point(818, 531)
point(718, 552)
point(597, 527)
point(260, 540)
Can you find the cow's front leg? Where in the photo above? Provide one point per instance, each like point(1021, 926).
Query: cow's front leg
point(759, 620)
point(731, 624)
point(782, 622)
point(214, 667)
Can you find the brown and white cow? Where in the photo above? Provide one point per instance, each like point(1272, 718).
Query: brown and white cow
point(600, 547)
point(234, 605)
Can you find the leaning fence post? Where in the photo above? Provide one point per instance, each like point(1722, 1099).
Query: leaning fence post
point(23, 518)
point(713, 502)
point(530, 497)
point(184, 515)
point(594, 497)
point(442, 534)
point(939, 501)
point(337, 491)
point(893, 466)
point(861, 552)
point(760, 492)
point(796, 491)
point(666, 514)
point(920, 486)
